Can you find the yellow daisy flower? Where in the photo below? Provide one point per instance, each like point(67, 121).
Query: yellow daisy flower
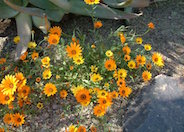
point(9, 85)
point(47, 74)
point(76, 89)
point(39, 105)
point(131, 64)
point(32, 45)
point(109, 53)
point(92, 2)
point(147, 47)
point(157, 59)
point(78, 60)
point(46, 62)
point(122, 73)
point(72, 128)
point(94, 69)
point(139, 40)
point(16, 39)
point(96, 77)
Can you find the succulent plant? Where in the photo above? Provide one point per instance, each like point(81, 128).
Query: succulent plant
point(41, 12)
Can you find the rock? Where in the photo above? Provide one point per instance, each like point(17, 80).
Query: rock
point(159, 107)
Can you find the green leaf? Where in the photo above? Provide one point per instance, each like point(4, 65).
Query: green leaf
point(24, 27)
point(31, 11)
point(55, 15)
point(101, 11)
point(8, 12)
point(41, 23)
point(44, 4)
point(118, 3)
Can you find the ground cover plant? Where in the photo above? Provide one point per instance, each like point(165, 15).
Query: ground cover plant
point(90, 75)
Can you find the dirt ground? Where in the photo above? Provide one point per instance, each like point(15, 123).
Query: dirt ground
point(167, 37)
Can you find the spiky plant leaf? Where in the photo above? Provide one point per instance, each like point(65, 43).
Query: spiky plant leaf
point(44, 4)
point(42, 23)
point(118, 3)
point(24, 27)
point(101, 11)
point(8, 12)
point(31, 11)
point(55, 15)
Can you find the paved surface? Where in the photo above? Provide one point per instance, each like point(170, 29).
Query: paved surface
point(159, 107)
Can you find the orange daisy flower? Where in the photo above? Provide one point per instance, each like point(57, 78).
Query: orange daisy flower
point(53, 39)
point(105, 102)
point(74, 50)
point(93, 129)
point(35, 55)
point(114, 94)
point(21, 80)
point(38, 79)
point(18, 119)
point(8, 119)
point(146, 75)
point(50, 89)
point(141, 60)
point(2, 60)
point(125, 91)
point(121, 82)
point(55, 30)
point(97, 24)
point(122, 38)
point(151, 25)
point(63, 94)
point(83, 97)
point(99, 111)
point(127, 58)
point(126, 50)
point(81, 129)
point(149, 66)
point(110, 65)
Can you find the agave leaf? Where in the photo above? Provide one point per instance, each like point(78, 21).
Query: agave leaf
point(44, 4)
point(31, 11)
point(24, 27)
point(64, 4)
point(55, 15)
point(140, 3)
point(101, 11)
point(125, 3)
point(118, 3)
point(8, 12)
point(42, 23)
